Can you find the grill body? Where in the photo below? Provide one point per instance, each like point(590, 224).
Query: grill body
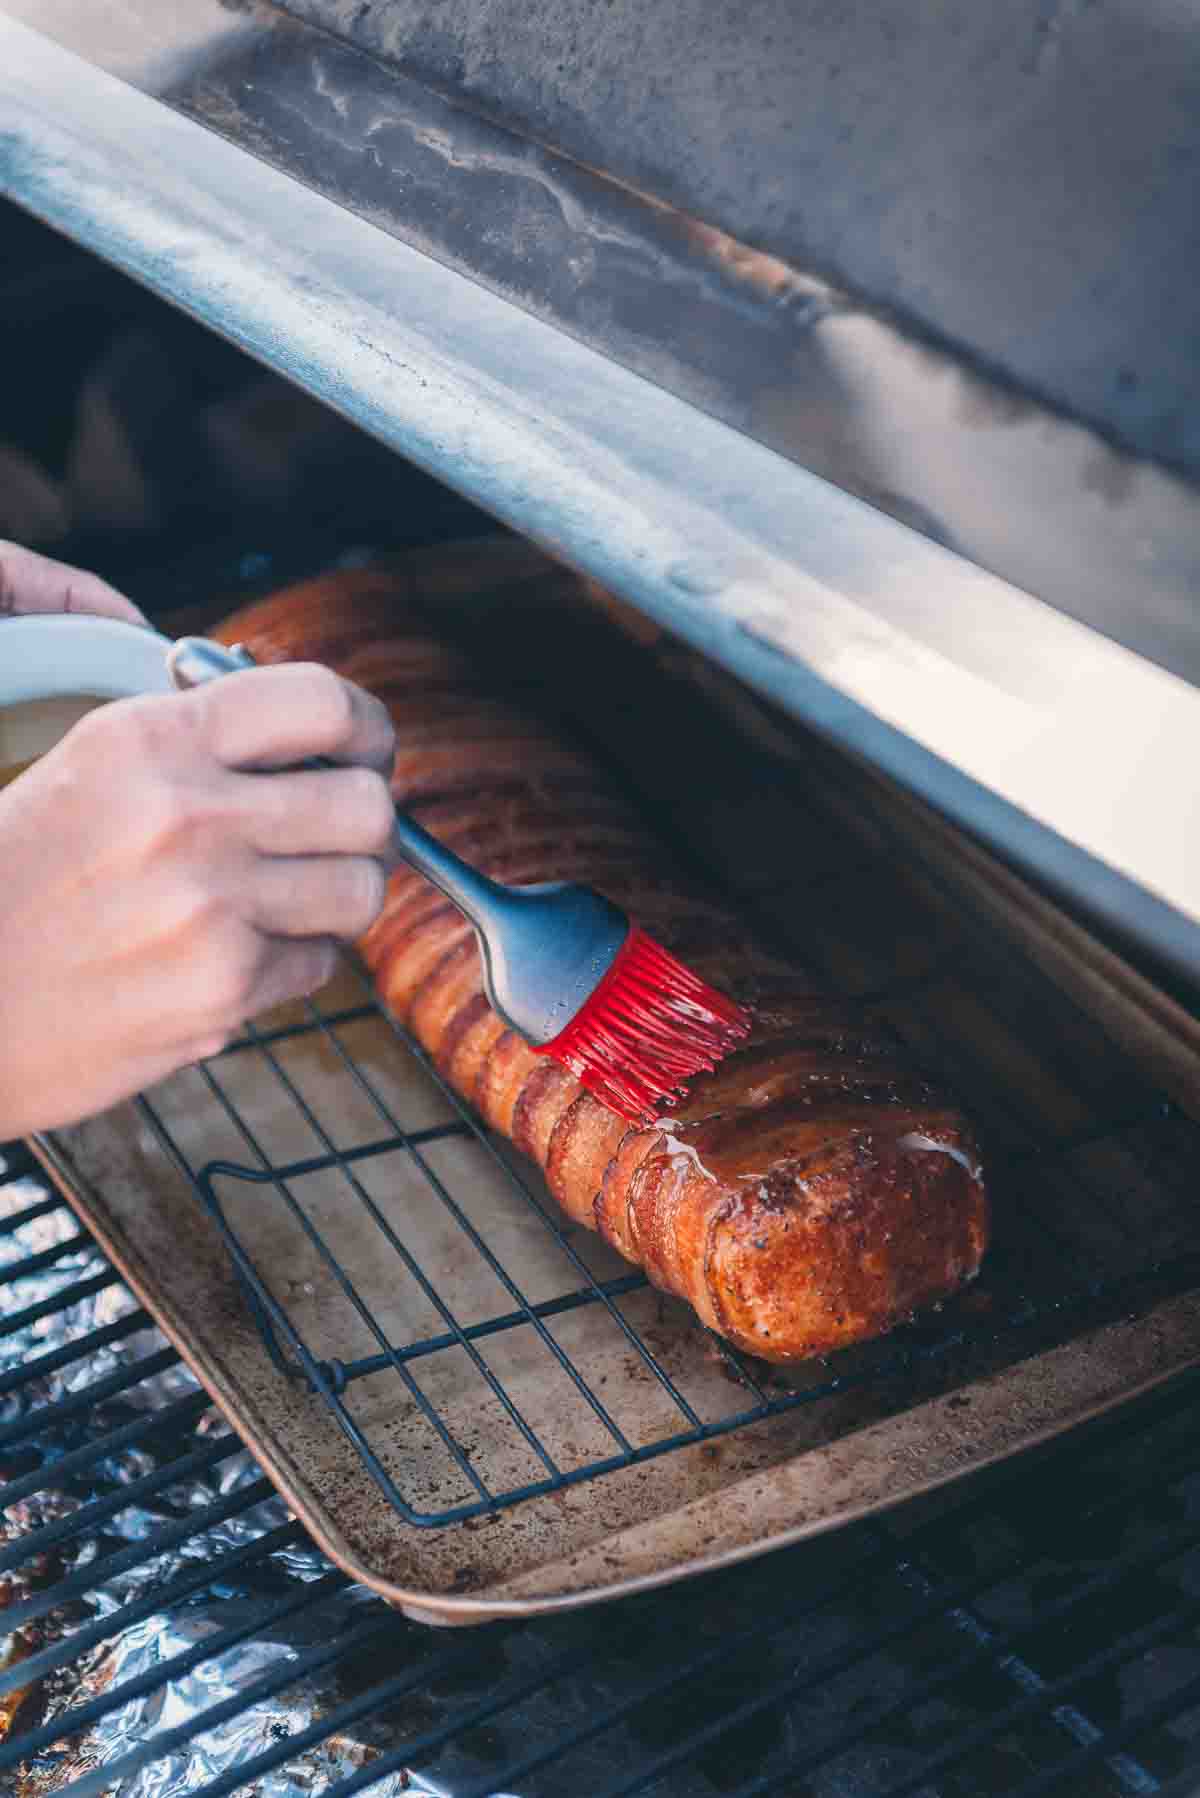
point(171, 1625)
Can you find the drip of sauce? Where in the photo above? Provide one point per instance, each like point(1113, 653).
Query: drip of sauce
point(675, 1148)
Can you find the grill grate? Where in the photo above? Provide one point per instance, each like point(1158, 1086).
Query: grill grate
point(1034, 1631)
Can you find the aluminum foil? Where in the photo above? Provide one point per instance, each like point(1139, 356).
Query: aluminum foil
point(152, 1643)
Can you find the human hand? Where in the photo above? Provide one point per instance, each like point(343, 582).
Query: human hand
point(33, 583)
point(162, 886)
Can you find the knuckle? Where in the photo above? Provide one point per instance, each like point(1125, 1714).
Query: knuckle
point(301, 969)
point(148, 732)
point(166, 811)
point(230, 989)
point(373, 809)
point(213, 1042)
point(143, 724)
point(367, 885)
point(331, 705)
point(322, 967)
point(273, 799)
point(205, 712)
point(384, 727)
point(205, 910)
point(315, 967)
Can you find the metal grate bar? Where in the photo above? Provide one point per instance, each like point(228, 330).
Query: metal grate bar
point(1130, 1645)
point(16, 1321)
point(1149, 1559)
point(89, 1577)
point(98, 1510)
point(58, 1251)
point(282, 1033)
point(866, 1644)
point(1175, 1704)
point(739, 1367)
point(78, 1349)
point(79, 1404)
point(278, 1680)
point(16, 1220)
point(1019, 1671)
point(420, 1746)
point(270, 1175)
point(90, 1635)
point(81, 1717)
point(343, 1372)
point(788, 1686)
point(343, 1718)
point(180, 1415)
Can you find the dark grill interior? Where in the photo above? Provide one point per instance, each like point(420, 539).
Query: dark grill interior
point(1034, 1631)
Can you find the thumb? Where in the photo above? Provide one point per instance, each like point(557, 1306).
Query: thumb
point(30, 582)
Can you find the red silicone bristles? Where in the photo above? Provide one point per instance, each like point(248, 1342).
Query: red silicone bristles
point(650, 1026)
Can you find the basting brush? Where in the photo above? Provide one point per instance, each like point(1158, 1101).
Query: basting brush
point(565, 968)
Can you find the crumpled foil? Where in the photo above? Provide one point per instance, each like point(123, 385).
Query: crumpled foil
point(151, 1643)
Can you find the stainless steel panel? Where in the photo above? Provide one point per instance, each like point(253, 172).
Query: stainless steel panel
point(939, 406)
point(1073, 755)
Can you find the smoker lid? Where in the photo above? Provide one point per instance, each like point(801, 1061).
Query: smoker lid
point(1018, 180)
point(697, 423)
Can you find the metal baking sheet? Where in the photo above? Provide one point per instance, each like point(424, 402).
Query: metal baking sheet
point(1080, 1078)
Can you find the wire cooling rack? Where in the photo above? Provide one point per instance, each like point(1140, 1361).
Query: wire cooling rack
point(409, 1230)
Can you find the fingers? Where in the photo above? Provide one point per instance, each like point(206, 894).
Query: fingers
point(292, 970)
point(336, 811)
point(270, 972)
point(33, 583)
point(334, 896)
point(274, 717)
